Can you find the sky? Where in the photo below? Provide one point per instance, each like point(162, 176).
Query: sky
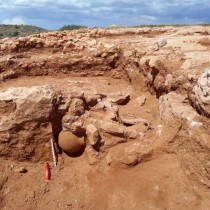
point(53, 14)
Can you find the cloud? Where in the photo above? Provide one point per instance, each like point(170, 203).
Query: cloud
point(14, 21)
point(53, 14)
point(149, 18)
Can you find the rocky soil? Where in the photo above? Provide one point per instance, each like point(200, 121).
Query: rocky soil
point(127, 108)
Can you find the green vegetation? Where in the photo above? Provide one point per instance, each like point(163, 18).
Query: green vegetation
point(19, 30)
point(26, 30)
point(204, 24)
point(71, 27)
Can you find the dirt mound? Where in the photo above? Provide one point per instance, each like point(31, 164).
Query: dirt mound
point(140, 108)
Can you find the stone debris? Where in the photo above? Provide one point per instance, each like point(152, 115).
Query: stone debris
point(141, 100)
point(173, 107)
point(161, 42)
point(133, 121)
point(200, 96)
point(92, 134)
point(114, 129)
point(8, 75)
point(122, 100)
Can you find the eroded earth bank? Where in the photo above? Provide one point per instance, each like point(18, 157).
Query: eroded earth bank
point(128, 110)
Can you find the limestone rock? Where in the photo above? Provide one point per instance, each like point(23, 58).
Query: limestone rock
point(168, 81)
point(173, 107)
point(200, 96)
point(105, 104)
point(133, 121)
point(128, 154)
point(77, 107)
point(69, 46)
point(153, 68)
point(77, 128)
point(92, 43)
point(130, 119)
point(92, 134)
point(114, 128)
point(191, 77)
point(122, 100)
point(91, 99)
point(112, 114)
point(141, 100)
point(161, 42)
point(70, 143)
point(128, 54)
point(130, 133)
point(8, 75)
point(111, 48)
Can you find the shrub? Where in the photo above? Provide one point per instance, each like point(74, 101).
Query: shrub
point(16, 33)
point(71, 27)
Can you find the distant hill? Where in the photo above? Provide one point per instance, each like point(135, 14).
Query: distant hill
point(71, 27)
point(19, 30)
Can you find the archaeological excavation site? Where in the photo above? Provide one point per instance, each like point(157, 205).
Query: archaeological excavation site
point(125, 111)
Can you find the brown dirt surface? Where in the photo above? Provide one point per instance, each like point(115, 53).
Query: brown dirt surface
point(142, 111)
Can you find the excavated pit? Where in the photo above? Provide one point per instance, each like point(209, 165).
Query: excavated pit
point(146, 147)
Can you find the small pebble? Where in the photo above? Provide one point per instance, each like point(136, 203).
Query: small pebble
point(22, 170)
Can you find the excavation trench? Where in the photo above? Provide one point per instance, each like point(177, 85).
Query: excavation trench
point(79, 101)
point(144, 146)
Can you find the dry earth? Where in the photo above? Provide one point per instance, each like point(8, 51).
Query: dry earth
point(131, 107)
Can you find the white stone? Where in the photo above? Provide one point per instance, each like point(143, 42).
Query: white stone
point(161, 42)
point(141, 100)
point(200, 96)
